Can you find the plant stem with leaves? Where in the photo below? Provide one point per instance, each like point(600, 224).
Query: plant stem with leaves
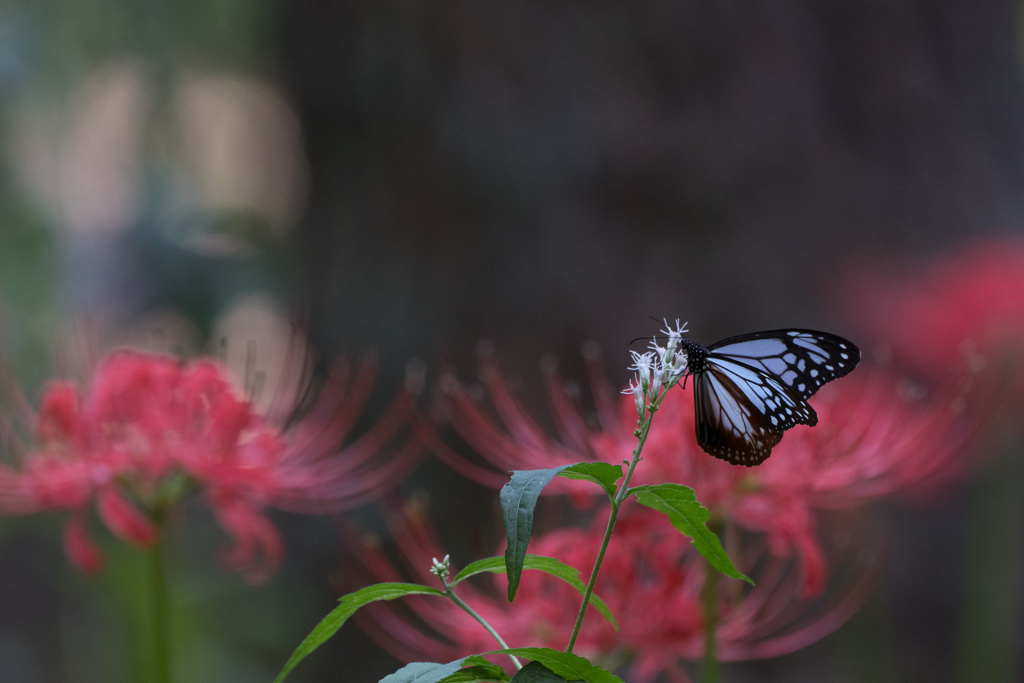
point(440, 570)
point(657, 371)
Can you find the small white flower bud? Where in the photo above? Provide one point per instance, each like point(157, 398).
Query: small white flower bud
point(656, 378)
point(638, 397)
point(440, 569)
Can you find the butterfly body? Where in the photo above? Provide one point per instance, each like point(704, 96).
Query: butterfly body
point(748, 390)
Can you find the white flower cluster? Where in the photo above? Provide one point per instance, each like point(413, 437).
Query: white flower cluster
point(658, 369)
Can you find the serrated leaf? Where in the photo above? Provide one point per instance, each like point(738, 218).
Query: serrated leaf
point(690, 517)
point(601, 473)
point(330, 624)
point(424, 672)
point(550, 565)
point(535, 672)
point(518, 499)
point(567, 665)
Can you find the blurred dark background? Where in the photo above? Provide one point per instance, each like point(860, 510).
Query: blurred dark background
point(546, 173)
point(415, 177)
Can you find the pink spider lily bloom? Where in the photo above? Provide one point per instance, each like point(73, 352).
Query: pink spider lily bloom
point(507, 437)
point(149, 429)
point(874, 438)
point(882, 435)
point(651, 580)
point(970, 300)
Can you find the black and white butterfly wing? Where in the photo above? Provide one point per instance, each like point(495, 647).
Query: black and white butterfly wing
point(729, 426)
point(804, 360)
point(752, 388)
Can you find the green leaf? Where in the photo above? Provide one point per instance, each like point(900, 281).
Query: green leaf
point(535, 672)
point(690, 517)
point(601, 473)
point(494, 565)
point(552, 566)
point(492, 673)
point(567, 665)
point(518, 499)
point(340, 614)
point(482, 671)
point(424, 672)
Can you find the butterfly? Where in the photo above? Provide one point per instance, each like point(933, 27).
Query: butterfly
point(750, 389)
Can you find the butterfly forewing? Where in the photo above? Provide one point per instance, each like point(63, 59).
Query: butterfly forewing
point(749, 389)
point(803, 360)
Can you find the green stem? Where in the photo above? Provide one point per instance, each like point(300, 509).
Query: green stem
point(709, 601)
point(593, 576)
point(643, 429)
point(483, 622)
point(160, 664)
point(990, 628)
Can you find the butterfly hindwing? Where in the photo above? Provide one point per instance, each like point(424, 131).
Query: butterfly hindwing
point(779, 406)
point(749, 389)
point(728, 426)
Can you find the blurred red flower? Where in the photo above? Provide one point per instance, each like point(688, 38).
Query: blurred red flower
point(876, 435)
point(651, 579)
point(971, 301)
point(149, 429)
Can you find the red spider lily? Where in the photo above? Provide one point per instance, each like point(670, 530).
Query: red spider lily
point(875, 437)
point(651, 579)
point(972, 300)
point(515, 440)
point(149, 429)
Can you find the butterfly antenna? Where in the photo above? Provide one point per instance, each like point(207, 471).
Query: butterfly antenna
point(657, 336)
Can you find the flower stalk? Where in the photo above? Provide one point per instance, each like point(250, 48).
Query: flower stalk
point(709, 603)
point(441, 570)
point(657, 371)
point(160, 627)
